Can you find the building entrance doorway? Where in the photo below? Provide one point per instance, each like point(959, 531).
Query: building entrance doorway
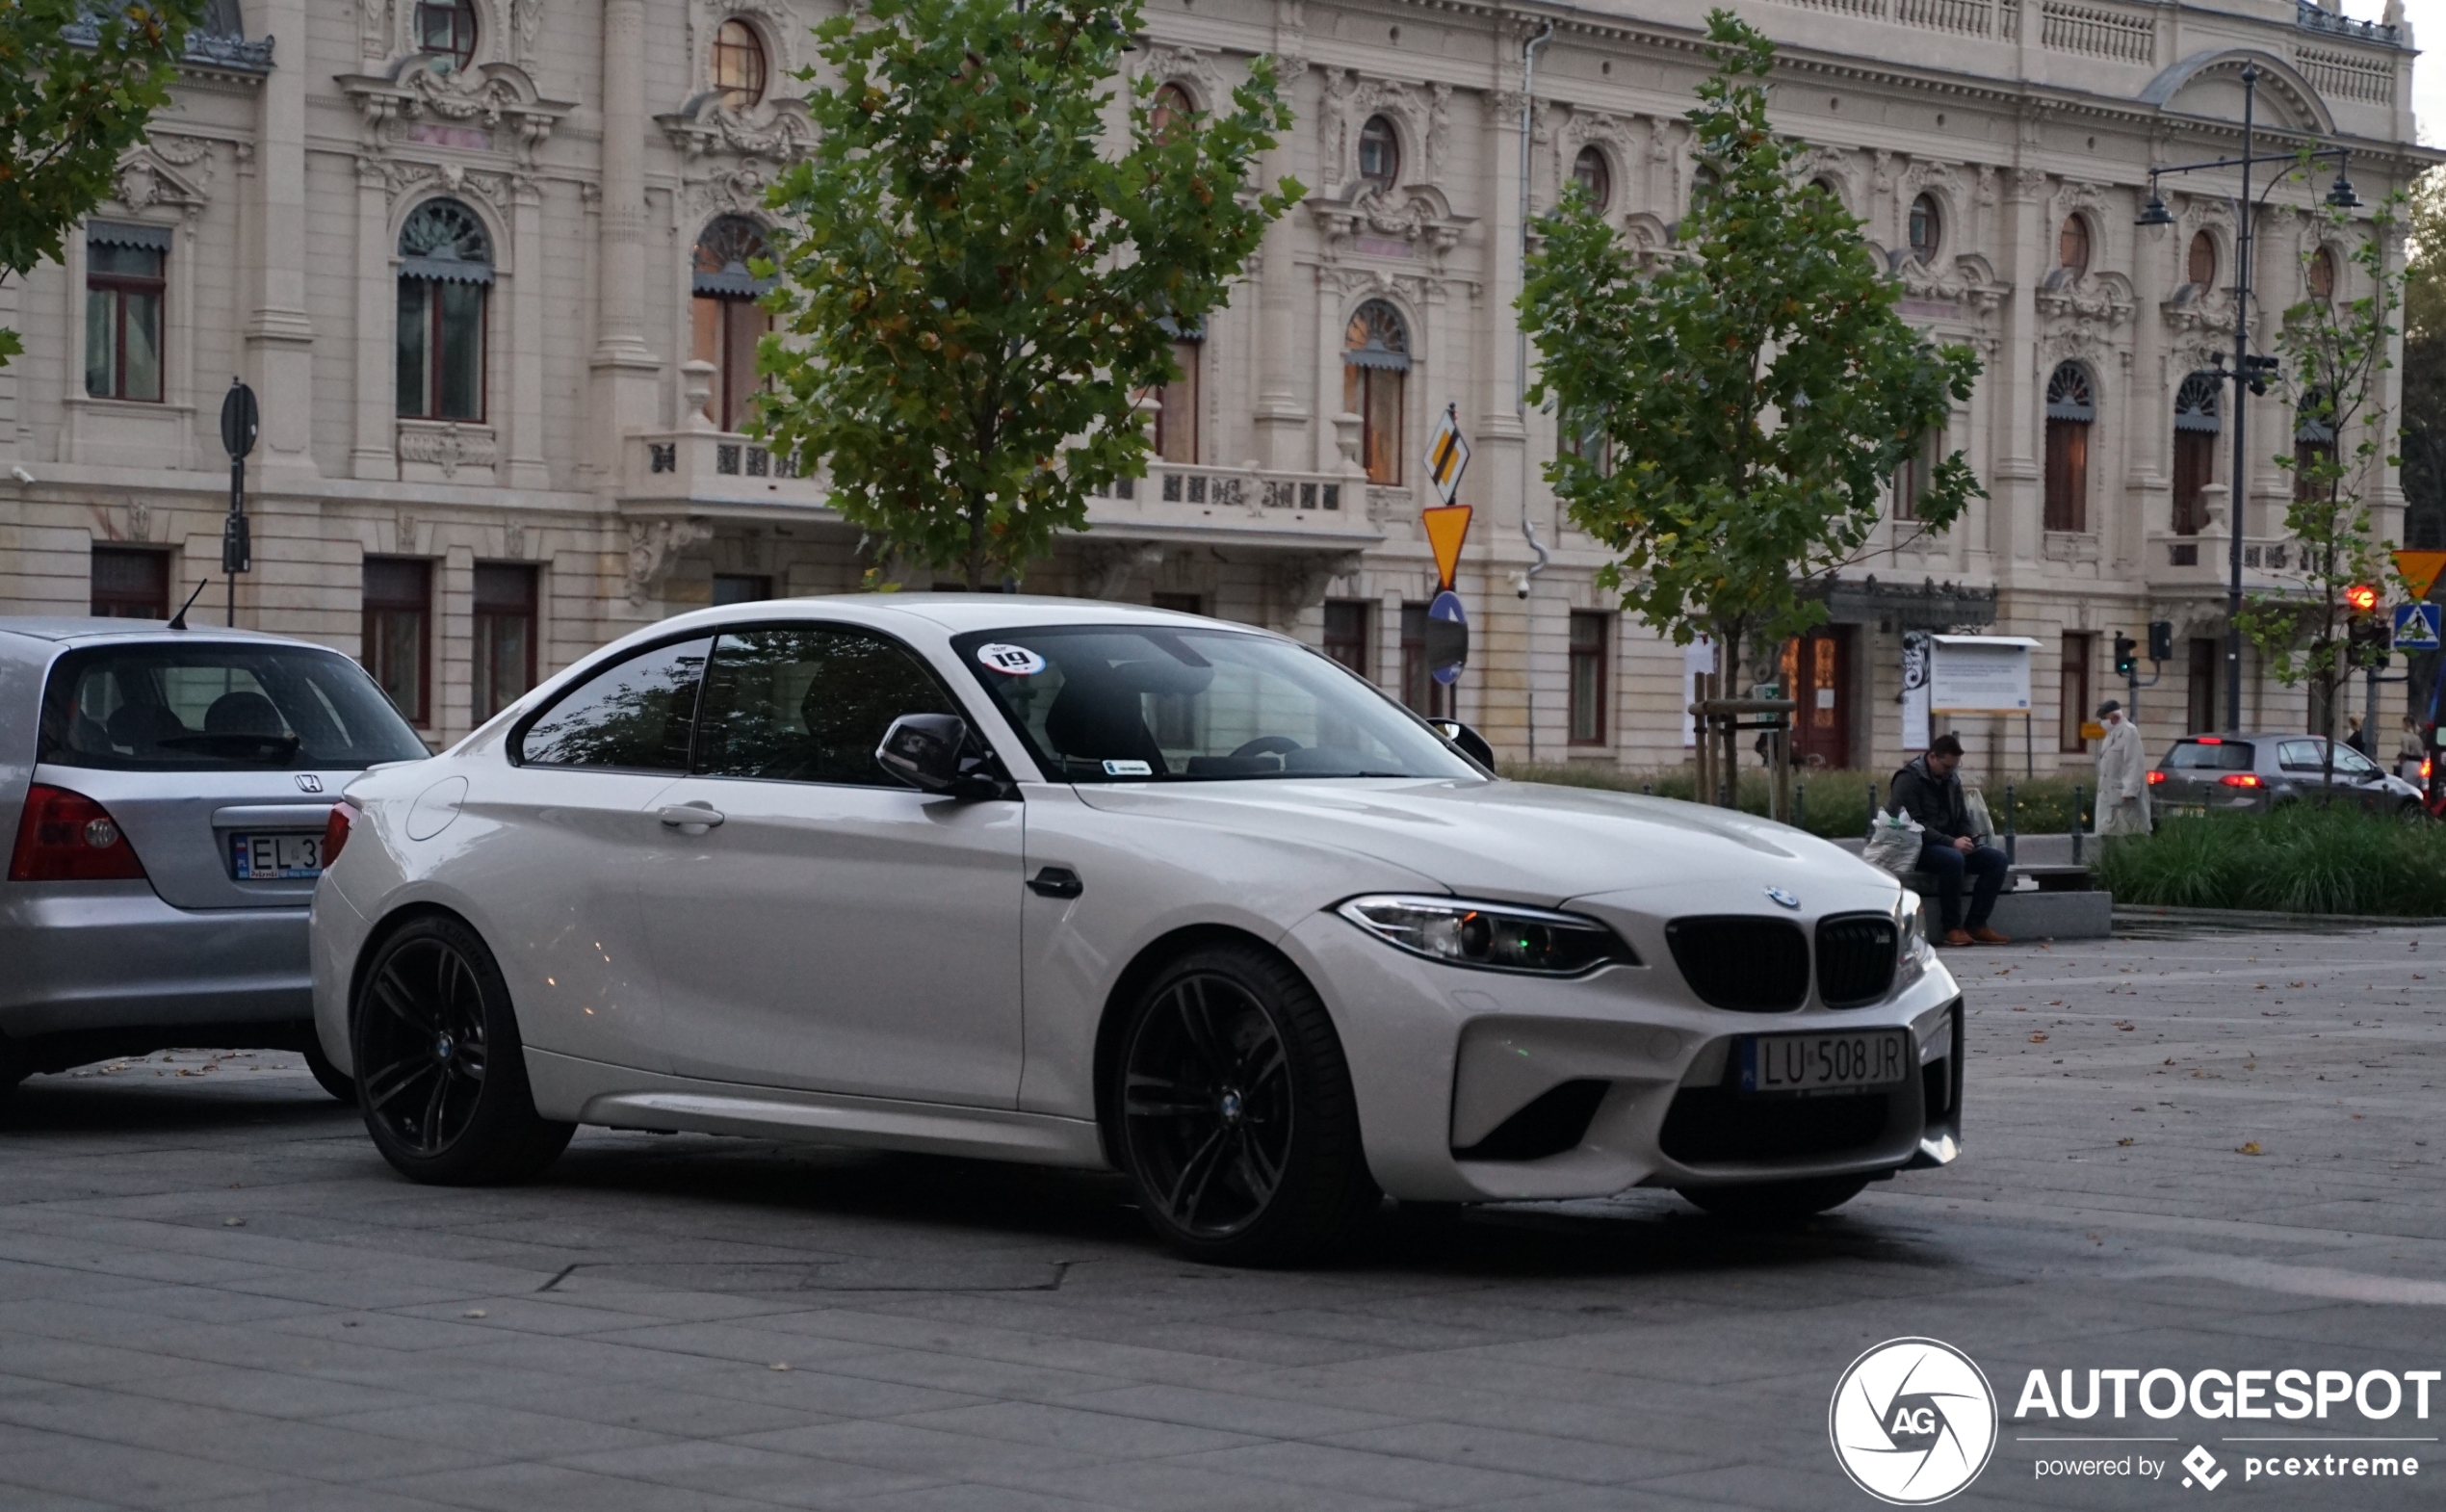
point(1818, 670)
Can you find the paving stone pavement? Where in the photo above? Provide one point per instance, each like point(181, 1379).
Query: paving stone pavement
point(212, 1294)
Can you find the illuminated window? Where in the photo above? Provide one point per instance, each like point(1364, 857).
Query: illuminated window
point(2196, 428)
point(2203, 268)
point(739, 65)
point(729, 323)
point(2072, 245)
point(1171, 108)
point(2320, 275)
point(1375, 368)
point(2071, 410)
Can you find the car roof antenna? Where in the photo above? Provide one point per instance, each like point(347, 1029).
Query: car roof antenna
point(178, 621)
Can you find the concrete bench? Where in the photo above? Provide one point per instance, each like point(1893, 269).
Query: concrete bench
point(2058, 903)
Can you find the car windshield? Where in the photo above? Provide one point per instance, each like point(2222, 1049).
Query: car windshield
point(1155, 703)
point(154, 705)
point(2209, 756)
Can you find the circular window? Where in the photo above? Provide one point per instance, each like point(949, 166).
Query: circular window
point(446, 32)
point(2320, 275)
point(738, 63)
point(1171, 108)
point(1927, 228)
point(2201, 269)
point(2072, 245)
point(1594, 178)
point(1379, 153)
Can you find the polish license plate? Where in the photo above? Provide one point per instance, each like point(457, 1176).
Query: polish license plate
point(2182, 810)
point(1798, 1064)
point(264, 858)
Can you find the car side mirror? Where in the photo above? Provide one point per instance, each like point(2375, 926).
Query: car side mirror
point(930, 752)
point(1470, 742)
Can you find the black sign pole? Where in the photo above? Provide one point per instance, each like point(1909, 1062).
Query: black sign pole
point(239, 422)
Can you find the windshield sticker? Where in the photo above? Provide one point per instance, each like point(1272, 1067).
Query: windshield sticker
point(1011, 660)
point(1124, 768)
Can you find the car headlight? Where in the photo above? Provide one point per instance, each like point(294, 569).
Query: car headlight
point(1912, 951)
point(1501, 937)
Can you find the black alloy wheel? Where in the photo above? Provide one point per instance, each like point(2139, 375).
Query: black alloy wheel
point(442, 1078)
point(1234, 1116)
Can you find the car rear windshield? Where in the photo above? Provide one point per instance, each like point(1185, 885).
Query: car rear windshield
point(1126, 703)
point(156, 706)
point(2209, 756)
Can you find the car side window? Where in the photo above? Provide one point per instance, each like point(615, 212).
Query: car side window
point(2298, 756)
point(809, 704)
point(635, 715)
point(2353, 764)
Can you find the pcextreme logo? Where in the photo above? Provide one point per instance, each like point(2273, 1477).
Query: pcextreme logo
point(1913, 1421)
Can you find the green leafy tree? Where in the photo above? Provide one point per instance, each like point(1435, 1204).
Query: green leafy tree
point(2423, 437)
point(2333, 354)
point(1756, 386)
point(78, 82)
point(981, 275)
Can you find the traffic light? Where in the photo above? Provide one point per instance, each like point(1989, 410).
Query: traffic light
point(2161, 640)
point(2124, 647)
point(2371, 641)
point(2361, 598)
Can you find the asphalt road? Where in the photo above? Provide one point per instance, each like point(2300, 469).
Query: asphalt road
point(2211, 1152)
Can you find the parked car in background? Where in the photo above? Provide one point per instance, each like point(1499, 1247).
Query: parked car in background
point(2254, 773)
point(792, 870)
point(169, 790)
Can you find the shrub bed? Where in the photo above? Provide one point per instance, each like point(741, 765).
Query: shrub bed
point(1834, 805)
point(2297, 860)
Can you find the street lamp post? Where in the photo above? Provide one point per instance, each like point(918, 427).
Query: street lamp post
point(2248, 372)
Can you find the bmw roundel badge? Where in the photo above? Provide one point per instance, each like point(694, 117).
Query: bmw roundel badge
point(1783, 898)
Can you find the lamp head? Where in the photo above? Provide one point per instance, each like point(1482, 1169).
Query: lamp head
point(2154, 213)
point(2341, 194)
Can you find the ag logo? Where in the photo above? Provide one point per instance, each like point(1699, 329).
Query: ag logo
point(1913, 1421)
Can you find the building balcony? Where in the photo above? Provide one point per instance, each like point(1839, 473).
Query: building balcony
point(2202, 563)
point(716, 475)
point(1250, 507)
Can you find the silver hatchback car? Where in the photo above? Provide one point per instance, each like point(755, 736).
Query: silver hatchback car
point(170, 789)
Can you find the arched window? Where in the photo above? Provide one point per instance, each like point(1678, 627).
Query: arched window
point(2320, 275)
point(1176, 416)
point(1927, 228)
point(729, 322)
point(1594, 178)
point(1171, 106)
point(2072, 245)
point(2201, 267)
point(2196, 428)
point(1379, 153)
point(738, 63)
point(1375, 365)
point(446, 31)
point(446, 268)
point(2071, 409)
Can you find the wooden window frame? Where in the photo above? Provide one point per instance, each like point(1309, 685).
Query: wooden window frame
point(116, 287)
point(369, 605)
point(1594, 653)
point(484, 615)
point(1351, 651)
point(2076, 665)
point(115, 603)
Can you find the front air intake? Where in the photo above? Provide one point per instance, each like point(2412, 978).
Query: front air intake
point(1742, 962)
point(1855, 959)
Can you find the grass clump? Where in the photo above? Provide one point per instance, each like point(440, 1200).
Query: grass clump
point(2300, 860)
point(1834, 803)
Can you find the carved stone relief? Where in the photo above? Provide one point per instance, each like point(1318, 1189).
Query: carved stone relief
point(653, 548)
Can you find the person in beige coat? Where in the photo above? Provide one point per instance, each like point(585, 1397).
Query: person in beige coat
point(2122, 775)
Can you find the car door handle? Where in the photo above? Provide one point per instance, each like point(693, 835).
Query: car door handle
point(691, 816)
point(1056, 881)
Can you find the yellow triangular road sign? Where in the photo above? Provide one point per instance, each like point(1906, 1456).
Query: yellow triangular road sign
point(2420, 569)
point(1447, 529)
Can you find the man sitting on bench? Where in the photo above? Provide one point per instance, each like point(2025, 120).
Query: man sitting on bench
point(1929, 790)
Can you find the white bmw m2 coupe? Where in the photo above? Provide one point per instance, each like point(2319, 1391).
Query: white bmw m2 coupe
point(1107, 887)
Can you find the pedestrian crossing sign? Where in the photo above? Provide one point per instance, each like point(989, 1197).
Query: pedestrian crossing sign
point(1447, 453)
point(2416, 627)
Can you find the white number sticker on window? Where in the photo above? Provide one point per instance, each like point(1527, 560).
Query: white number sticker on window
point(1012, 660)
point(1128, 768)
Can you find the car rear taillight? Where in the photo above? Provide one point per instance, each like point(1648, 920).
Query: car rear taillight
point(2424, 766)
point(2209, 739)
point(66, 837)
point(2156, 777)
point(335, 831)
point(2240, 779)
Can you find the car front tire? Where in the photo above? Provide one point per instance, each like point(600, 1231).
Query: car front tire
point(1232, 1111)
point(442, 1076)
point(1777, 1202)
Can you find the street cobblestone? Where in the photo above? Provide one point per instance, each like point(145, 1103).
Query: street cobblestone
point(2220, 1150)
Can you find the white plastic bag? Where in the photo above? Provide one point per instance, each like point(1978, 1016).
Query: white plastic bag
point(1982, 829)
point(1893, 843)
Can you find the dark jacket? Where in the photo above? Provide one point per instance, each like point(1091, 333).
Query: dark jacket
point(1933, 800)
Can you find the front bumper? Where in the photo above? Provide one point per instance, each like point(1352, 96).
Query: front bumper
point(1443, 1059)
point(108, 955)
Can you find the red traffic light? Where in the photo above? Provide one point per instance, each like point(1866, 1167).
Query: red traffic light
point(2360, 598)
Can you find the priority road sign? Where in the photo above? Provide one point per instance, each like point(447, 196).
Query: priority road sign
point(2416, 627)
point(1447, 453)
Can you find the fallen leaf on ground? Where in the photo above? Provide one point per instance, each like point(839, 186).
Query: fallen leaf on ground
point(2248, 1147)
point(2126, 1140)
point(2037, 1038)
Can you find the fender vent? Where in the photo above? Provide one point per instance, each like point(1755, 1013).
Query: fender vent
point(1557, 1120)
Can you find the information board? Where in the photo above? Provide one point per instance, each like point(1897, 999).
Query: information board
point(1979, 674)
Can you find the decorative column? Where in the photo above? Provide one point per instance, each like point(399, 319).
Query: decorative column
point(375, 454)
point(2015, 524)
point(627, 374)
point(279, 337)
point(2148, 436)
point(526, 295)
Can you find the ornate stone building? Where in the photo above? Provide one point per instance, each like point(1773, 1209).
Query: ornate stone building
point(486, 263)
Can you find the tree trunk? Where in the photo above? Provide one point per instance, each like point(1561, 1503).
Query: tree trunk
point(1728, 658)
point(976, 543)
